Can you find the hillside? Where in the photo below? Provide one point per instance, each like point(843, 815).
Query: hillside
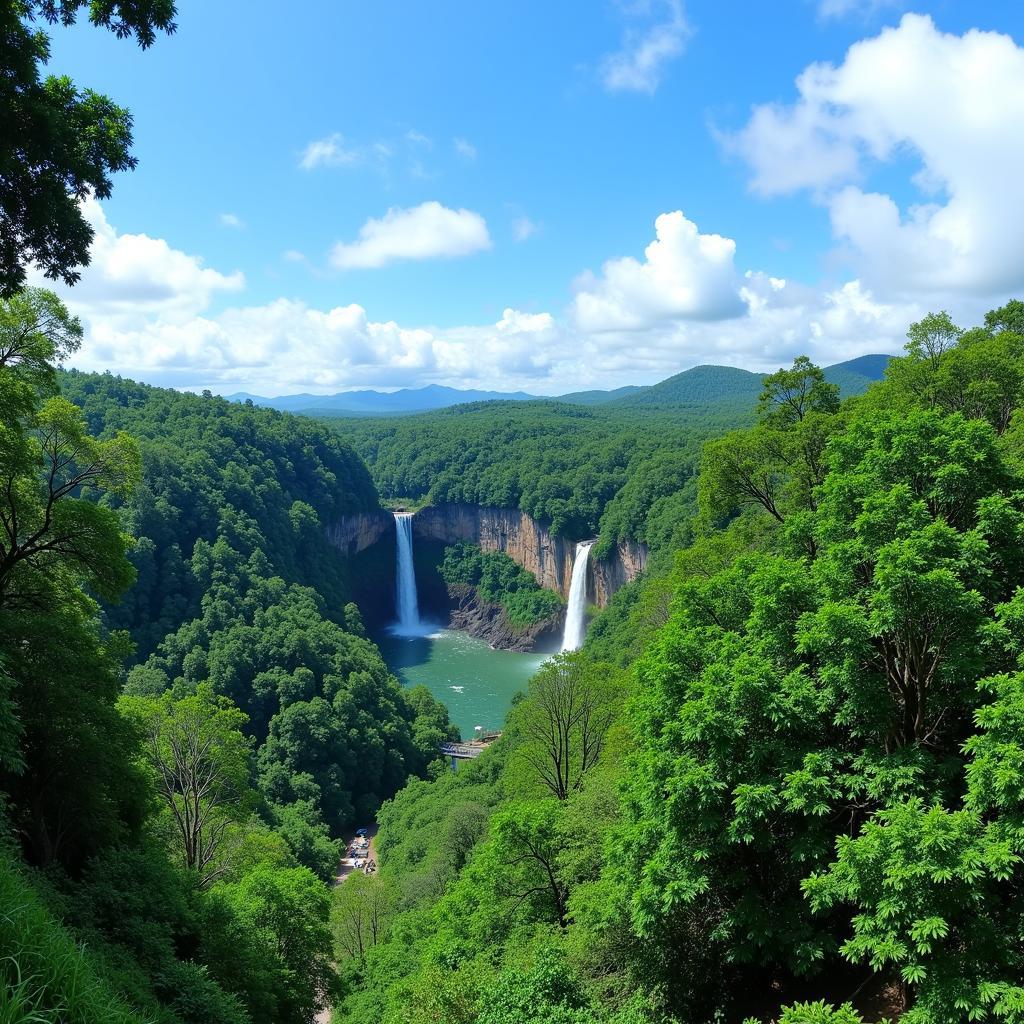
point(699, 386)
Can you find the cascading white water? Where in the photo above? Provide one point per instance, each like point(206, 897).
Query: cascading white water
point(576, 613)
point(406, 604)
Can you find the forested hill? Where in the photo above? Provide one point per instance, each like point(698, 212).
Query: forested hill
point(214, 469)
point(584, 470)
point(178, 762)
point(783, 780)
point(619, 469)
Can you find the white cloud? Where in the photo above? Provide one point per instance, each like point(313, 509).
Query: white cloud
point(330, 151)
point(829, 9)
point(133, 275)
point(147, 308)
point(231, 220)
point(948, 102)
point(685, 275)
point(639, 65)
point(418, 138)
point(524, 228)
point(427, 231)
point(465, 149)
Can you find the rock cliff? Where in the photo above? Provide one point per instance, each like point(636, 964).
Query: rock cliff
point(358, 531)
point(530, 544)
point(480, 618)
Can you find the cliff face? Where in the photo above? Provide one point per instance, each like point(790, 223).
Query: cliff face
point(530, 544)
point(623, 564)
point(470, 613)
point(354, 533)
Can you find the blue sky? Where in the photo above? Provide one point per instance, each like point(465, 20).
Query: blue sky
point(525, 153)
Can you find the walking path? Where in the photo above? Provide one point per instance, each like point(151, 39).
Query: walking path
point(345, 869)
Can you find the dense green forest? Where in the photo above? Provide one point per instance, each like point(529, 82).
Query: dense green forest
point(782, 779)
point(579, 469)
point(178, 764)
point(780, 782)
point(622, 469)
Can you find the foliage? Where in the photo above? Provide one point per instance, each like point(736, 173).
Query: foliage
point(499, 580)
point(59, 144)
point(814, 787)
point(562, 464)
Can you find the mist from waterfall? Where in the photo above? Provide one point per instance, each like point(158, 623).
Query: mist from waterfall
point(406, 603)
point(576, 612)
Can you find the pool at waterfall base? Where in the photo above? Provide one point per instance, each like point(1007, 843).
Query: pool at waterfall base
point(475, 682)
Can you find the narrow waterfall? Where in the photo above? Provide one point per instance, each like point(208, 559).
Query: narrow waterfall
point(576, 613)
point(406, 604)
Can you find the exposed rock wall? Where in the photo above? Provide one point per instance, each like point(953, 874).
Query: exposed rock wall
point(471, 613)
point(624, 563)
point(530, 544)
point(360, 530)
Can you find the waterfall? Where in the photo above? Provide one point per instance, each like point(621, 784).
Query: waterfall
point(576, 613)
point(405, 585)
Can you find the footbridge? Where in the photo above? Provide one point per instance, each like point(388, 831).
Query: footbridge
point(467, 750)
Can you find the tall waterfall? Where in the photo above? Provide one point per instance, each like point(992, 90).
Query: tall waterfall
point(406, 604)
point(576, 613)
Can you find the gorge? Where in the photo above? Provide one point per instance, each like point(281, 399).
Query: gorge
point(531, 544)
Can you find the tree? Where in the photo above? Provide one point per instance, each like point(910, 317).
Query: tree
point(788, 396)
point(777, 465)
point(286, 911)
point(569, 707)
point(362, 908)
point(527, 845)
point(58, 144)
point(46, 523)
point(201, 758)
point(50, 465)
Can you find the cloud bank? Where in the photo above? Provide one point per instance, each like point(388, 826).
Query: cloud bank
point(934, 111)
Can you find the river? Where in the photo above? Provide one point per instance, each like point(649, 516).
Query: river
point(475, 682)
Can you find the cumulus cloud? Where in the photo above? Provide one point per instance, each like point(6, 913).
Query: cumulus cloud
point(639, 65)
point(151, 312)
point(465, 149)
point(133, 275)
point(946, 101)
point(685, 275)
point(427, 231)
point(231, 220)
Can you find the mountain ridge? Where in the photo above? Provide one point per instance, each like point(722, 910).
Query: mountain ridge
point(696, 385)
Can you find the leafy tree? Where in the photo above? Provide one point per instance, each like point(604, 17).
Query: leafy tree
point(200, 757)
point(563, 722)
point(527, 845)
point(360, 914)
point(59, 144)
point(789, 396)
point(287, 911)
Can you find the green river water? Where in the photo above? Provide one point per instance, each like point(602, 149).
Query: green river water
point(475, 682)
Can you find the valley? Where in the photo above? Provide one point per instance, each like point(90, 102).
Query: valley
point(511, 513)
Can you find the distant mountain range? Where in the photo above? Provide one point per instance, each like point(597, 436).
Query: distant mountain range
point(701, 385)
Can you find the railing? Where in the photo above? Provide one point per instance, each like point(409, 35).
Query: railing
point(466, 751)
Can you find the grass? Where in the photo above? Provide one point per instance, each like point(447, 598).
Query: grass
point(45, 976)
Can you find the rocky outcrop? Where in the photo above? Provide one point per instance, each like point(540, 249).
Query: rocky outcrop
point(622, 565)
point(357, 531)
point(472, 614)
point(530, 544)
